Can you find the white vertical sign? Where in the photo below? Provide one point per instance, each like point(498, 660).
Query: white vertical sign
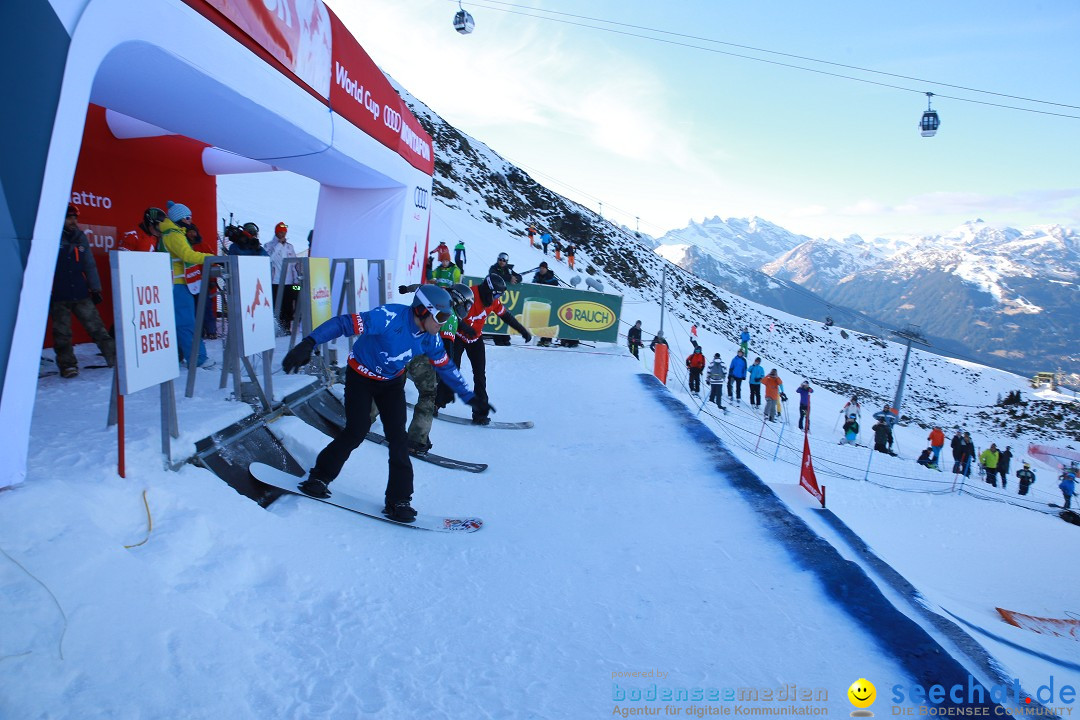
point(146, 352)
point(256, 304)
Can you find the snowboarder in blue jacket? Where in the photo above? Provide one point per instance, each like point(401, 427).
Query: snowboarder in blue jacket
point(386, 340)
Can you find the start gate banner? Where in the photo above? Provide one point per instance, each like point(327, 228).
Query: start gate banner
point(318, 282)
point(555, 312)
point(145, 323)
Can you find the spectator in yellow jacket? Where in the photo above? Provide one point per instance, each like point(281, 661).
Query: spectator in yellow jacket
point(184, 260)
point(989, 461)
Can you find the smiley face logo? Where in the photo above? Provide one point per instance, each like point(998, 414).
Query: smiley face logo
point(862, 693)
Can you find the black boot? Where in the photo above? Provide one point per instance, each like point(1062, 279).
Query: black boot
point(401, 511)
point(418, 448)
point(315, 487)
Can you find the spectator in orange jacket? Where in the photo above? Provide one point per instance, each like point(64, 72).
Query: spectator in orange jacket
point(695, 363)
point(937, 441)
point(773, 388)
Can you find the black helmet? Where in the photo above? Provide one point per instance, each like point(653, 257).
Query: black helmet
point(151, 218)
point(492, 288)
point(433, 300)
point(461, 295)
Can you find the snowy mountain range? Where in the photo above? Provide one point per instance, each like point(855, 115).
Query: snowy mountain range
point(1000, 295)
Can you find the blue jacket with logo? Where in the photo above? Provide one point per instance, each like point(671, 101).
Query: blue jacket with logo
point(387, 340)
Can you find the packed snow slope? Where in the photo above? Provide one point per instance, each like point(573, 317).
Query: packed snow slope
point(612, 544)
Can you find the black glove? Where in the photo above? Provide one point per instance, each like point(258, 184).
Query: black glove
point(466, 330)
point(95, 295)
point(783, 397)
point(402, 290)
point(480, 405)
point(299, 356)
point(527, 335)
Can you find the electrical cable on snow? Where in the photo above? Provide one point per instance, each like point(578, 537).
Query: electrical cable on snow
point(149, 524)
point(63, 632)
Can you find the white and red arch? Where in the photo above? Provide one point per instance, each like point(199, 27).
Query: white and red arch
point(278, 82)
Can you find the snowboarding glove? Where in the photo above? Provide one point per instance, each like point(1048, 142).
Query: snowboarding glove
point(480, 406)
point(783, 397)
point(402, 290)
point(95, 295)
point(298, 357)
point(467, 331)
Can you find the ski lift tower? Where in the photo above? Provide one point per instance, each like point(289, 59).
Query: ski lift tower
point(911, 334)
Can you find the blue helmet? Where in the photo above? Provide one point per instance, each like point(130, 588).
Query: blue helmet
point(433, 300)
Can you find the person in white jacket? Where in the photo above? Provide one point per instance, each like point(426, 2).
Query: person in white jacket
point(279, 249)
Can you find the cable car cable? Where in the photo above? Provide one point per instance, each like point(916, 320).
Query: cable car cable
point(800, 67)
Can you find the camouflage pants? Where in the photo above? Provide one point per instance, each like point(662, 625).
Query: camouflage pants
point(60, 311)
point(423, 376)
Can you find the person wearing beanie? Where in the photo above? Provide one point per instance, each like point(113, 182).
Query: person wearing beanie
point(754, 375)
point(544, 276)
point(715, 379)
point(178, 212)
point(76, 291)
point(174, 241)
point(446, 274)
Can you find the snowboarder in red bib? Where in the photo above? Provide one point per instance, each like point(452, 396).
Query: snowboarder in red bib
point(469, 339)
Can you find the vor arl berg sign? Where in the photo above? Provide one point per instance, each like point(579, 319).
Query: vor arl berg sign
point(146, 353)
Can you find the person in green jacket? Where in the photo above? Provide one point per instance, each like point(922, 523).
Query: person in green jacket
point(989, 461)
point(445, 274)
point(459, 255)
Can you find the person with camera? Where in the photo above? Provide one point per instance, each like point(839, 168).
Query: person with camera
point(244, 240)
point(387, 339)
point(76, 291)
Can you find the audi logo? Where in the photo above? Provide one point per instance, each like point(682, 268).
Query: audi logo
point(392, 118)
point(420, 198)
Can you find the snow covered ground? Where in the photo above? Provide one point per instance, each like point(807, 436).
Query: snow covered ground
point(612, 544)
point(618, 539)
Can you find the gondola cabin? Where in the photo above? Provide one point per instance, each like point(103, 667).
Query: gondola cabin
point(929, 123)
point(463, 22)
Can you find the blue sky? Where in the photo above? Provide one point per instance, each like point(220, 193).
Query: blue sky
point(669, 133)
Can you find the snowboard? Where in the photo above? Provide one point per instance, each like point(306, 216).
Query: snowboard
point(362, 506)
point(430, 457)
point(494, 425)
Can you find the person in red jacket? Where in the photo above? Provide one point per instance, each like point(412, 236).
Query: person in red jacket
point(469, 338)
point(937, 441)
point(695, 363)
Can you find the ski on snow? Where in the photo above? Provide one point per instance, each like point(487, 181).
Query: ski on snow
point(363, 506)
point(494, 424)
point(430, 457)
